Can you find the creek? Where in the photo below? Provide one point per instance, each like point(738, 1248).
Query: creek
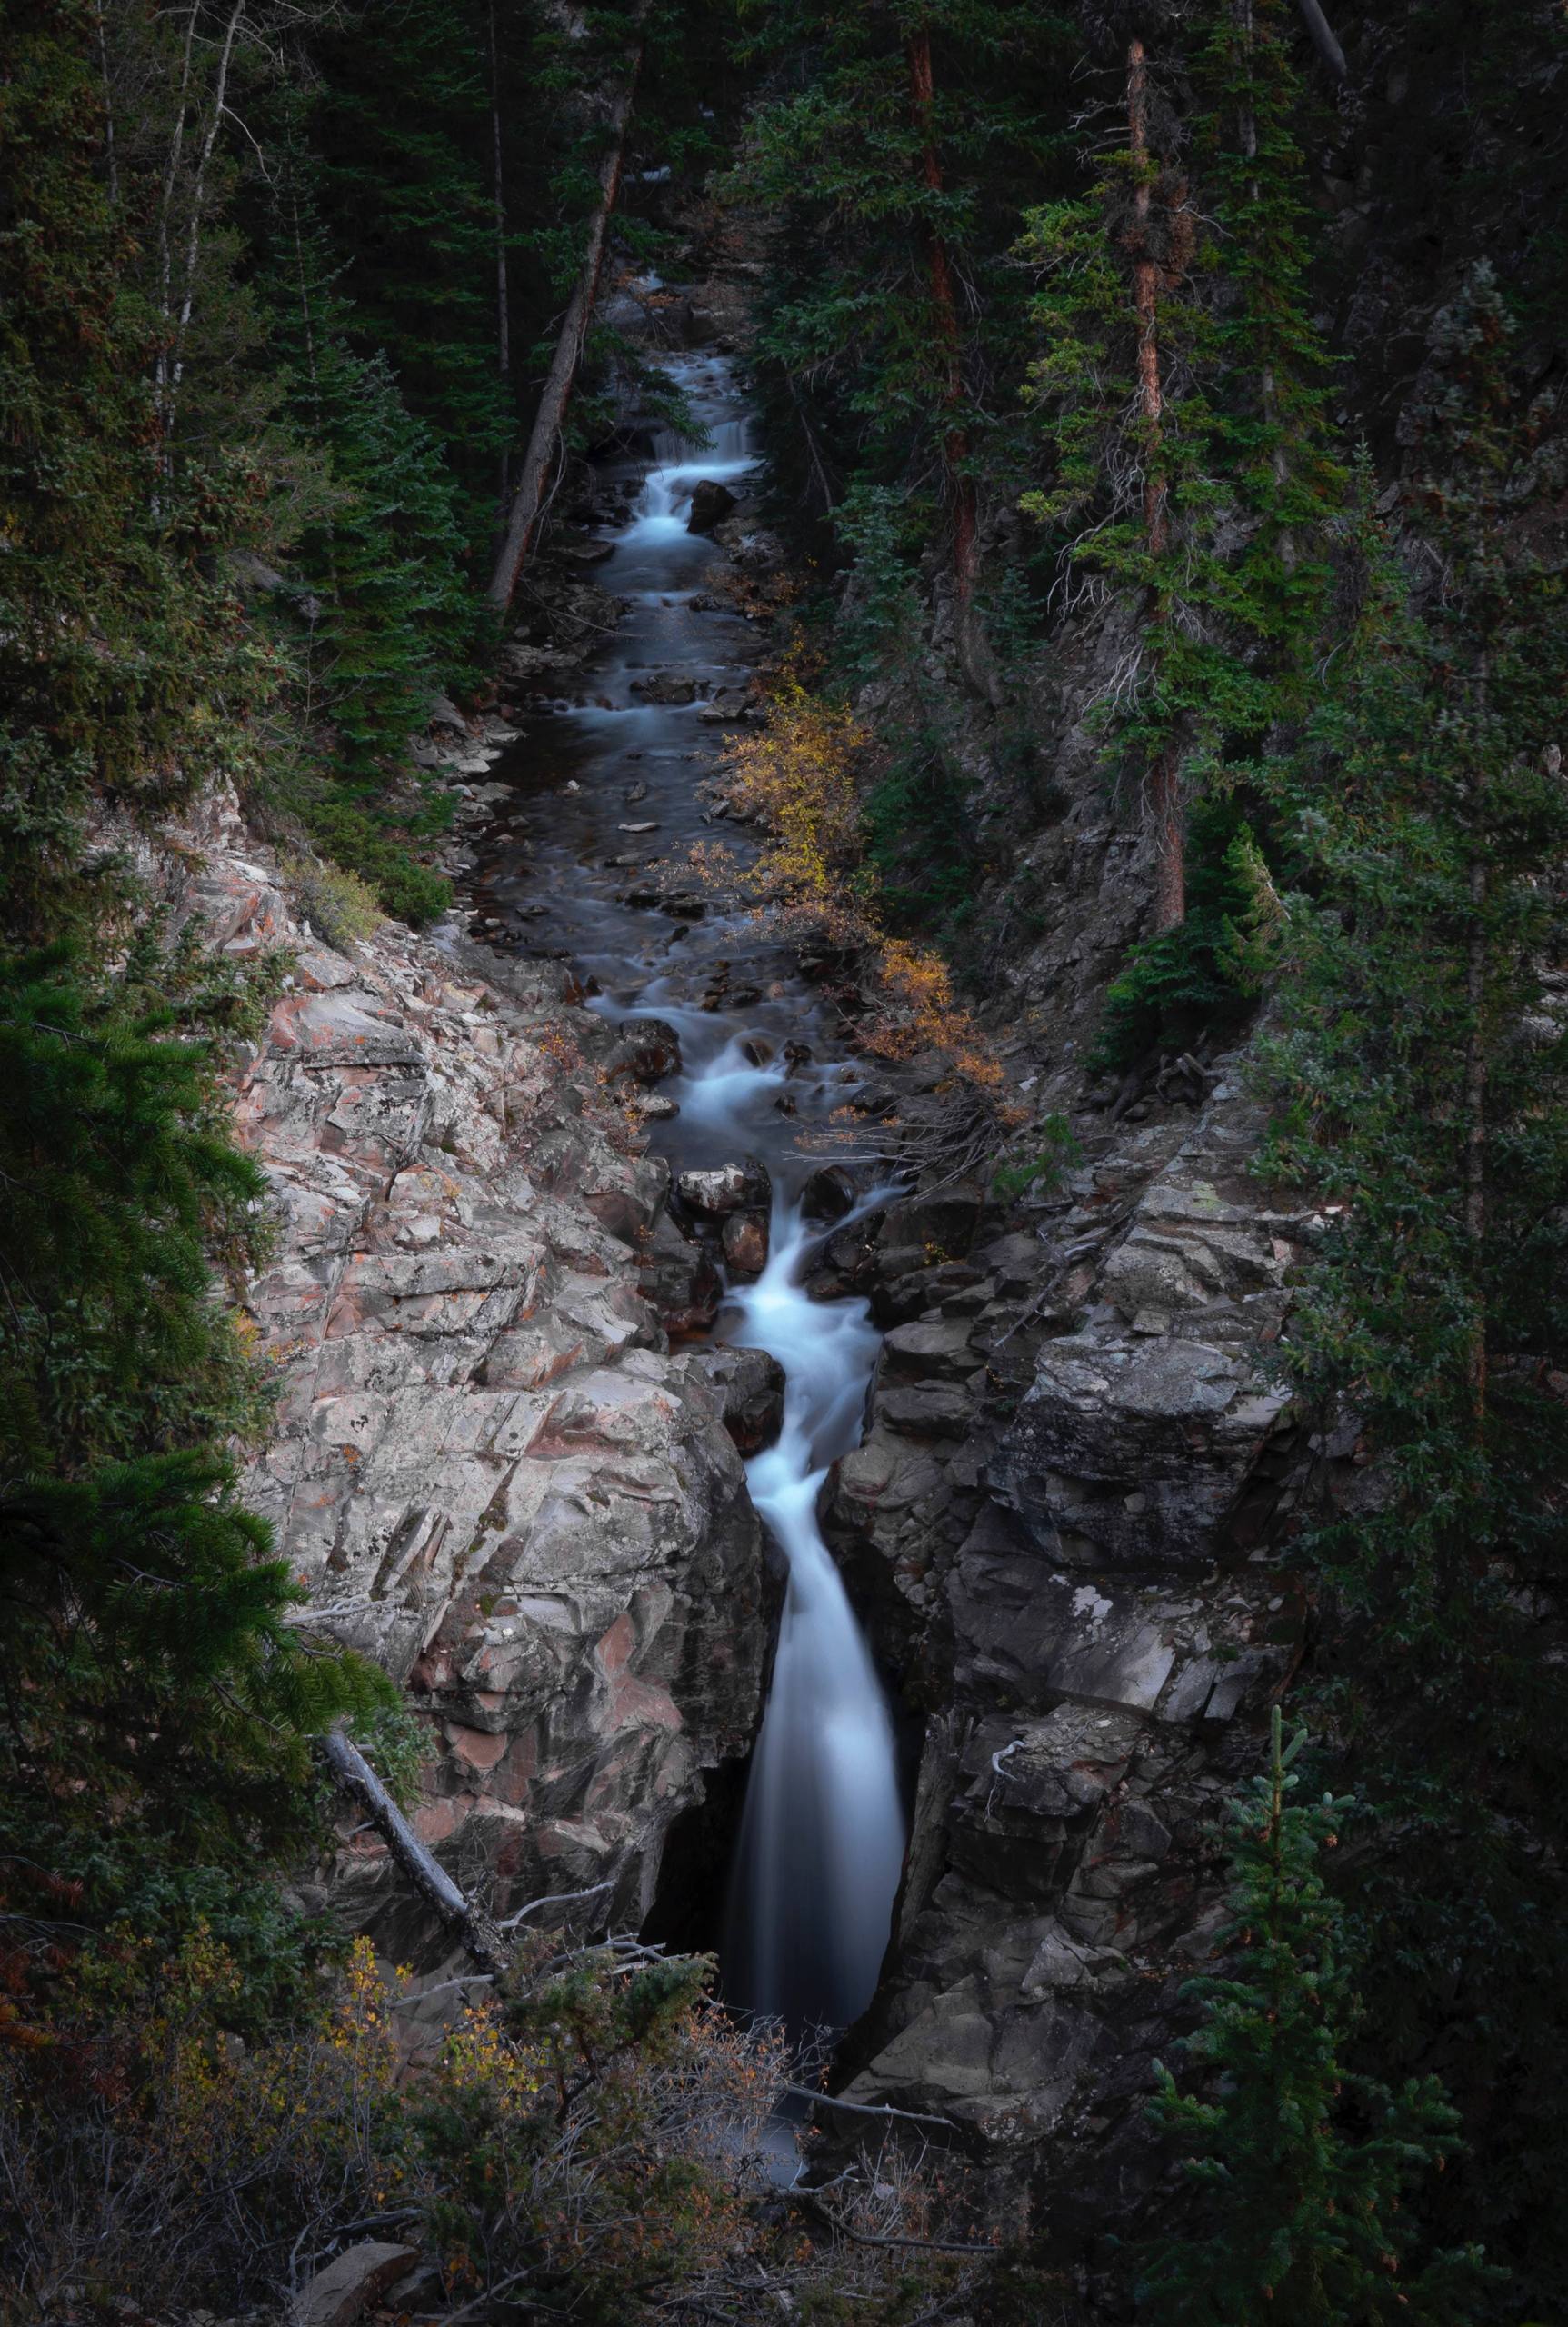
point(594, 862)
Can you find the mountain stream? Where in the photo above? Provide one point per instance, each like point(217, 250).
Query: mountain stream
point(592, 862)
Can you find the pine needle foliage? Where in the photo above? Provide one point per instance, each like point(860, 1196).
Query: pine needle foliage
point(1299, 2166)
point(1419, 1074)
point(1198, 531)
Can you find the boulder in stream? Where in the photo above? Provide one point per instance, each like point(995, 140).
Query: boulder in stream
point(710, 504)
point(829, 1194)
point(666, 686)
point(648, 1050)
point(745, 1241)
point(726, 1188)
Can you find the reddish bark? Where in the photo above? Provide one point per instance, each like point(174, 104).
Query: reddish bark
point(1163, 805)
point(960, 484)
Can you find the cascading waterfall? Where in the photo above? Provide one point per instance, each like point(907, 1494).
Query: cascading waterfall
point(822, 1841)
point(821, 1837)
point(822, 1829)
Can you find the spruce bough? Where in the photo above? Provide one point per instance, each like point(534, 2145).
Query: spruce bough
point(1299, 2165)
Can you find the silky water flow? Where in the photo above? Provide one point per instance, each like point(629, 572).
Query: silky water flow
point(823, 1832)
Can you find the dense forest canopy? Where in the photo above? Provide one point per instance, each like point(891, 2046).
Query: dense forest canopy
point(1186, 379)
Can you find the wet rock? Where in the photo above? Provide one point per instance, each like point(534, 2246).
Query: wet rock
point(711, 503)
point(725, 707)
point(648, 1051)
point(745, 1241)
point(829, 1193)
point(679, 1278)
point(726, 1188)
point(750, 1386)
point(751, 547)
point(666, 686)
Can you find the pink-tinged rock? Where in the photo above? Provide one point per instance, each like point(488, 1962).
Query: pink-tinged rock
point(480, 1748)
point(434, 1822)
point(334, 1027)
point(746, 1242)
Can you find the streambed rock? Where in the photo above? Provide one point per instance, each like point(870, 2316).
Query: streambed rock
point(486, 1466)
point(726, 1188)
point(711, 503)
point(1069, 1526)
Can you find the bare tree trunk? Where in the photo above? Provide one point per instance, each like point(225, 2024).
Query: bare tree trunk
point(1475, 1075)
point(110, 152)
point(169, 369)
point(1164, 804)
point(1322, 38)
point(502, 301)
point(549, 422)
point(424, 1869)
point(972, 656)
point(165, 224)
point(819, 476)
point(1268, 386)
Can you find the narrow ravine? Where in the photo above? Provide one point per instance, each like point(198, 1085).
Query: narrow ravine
point(601, 875)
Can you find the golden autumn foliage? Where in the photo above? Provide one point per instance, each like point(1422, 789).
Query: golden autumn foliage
point(798, 779)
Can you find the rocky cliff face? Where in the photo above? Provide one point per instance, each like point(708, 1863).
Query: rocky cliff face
point(486, 1464)
point(1069, 1515)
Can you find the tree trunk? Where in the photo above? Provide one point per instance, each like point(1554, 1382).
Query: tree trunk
point(972, 656)
point(544, 442)
point(820, 477)
point(110, 150)
point(1268, 388)
point(429, 1877)
point(502, 299)
point(1163, 805)
point(1475, 1069)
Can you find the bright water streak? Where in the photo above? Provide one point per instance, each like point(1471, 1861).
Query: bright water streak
point(823, 1834)
point(821, 1838)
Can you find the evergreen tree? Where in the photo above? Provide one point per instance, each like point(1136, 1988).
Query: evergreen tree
point(1299, 2164)
point(895, 168)
point(158, 1700)
point(403, 129)
point(1181, 391)
point(1418, 1069)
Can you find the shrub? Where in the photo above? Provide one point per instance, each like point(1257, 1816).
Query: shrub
point(341, 908)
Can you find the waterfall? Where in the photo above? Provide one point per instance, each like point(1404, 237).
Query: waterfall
point(821, 1839)
point(823, 1829)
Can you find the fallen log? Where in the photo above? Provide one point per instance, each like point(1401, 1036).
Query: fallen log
point(539, 461)
point(424, 1869)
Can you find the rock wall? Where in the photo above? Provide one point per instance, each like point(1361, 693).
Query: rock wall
point(487, 1465)
point(1070, 1520)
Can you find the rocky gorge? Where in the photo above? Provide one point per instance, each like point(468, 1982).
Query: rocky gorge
point(508, 1457)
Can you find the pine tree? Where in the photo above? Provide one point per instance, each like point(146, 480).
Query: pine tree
point(1298, 2164)
point(1418, 1071)
point(403, 128)
point(1180, 390)
point(158, 1699)
point(894, 169)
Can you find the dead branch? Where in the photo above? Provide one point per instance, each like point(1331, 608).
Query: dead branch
point(424, 1869)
